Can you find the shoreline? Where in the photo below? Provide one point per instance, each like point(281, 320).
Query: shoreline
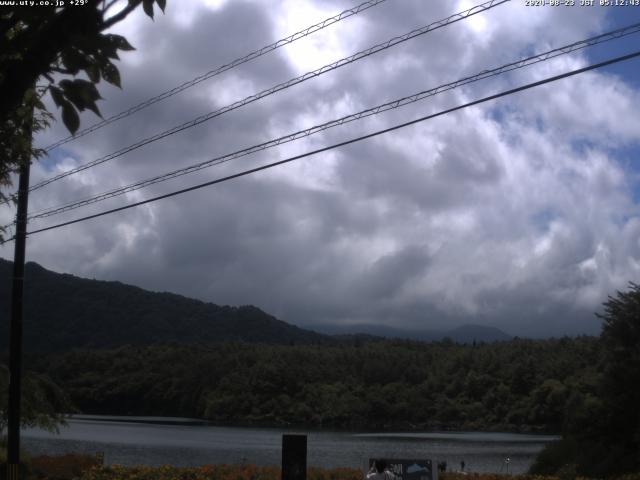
point(263, 424)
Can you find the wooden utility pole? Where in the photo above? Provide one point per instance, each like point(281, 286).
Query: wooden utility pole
point(17, 301)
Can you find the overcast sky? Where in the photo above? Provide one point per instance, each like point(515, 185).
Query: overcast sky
point(522, 213)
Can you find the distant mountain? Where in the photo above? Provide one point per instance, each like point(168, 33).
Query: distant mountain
point(479, 333)
point(374, 330)
point(462, 334)
point(63, 311)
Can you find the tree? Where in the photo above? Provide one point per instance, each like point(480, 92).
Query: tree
point(602, 436)
point(54, 46)
point(621, 377)
point(44, 404)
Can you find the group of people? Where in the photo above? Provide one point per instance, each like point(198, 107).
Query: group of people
point(379, 471)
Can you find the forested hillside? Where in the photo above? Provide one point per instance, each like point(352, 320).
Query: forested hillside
point(522, 385)
point(64, 311)
point(118, 349)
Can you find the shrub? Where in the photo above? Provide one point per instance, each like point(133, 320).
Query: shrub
point(61, 467)
point(212, 472)
point(554, 456)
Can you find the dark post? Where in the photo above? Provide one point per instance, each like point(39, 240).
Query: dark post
point(15, 345)
point(294, 457)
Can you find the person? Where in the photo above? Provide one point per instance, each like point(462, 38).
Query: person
point(379, 471)
point(462, 466)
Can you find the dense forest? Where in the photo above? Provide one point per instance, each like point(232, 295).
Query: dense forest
point(108, 348)
point(522, 385)
point(63, 311)
point(602, 436)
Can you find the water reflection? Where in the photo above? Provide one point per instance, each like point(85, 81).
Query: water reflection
point(157, 441)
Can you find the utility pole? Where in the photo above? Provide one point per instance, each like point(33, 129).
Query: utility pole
point(17, 301)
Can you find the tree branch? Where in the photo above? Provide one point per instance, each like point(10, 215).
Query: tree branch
point(42, 44)
point(120, 15)
point(5, 26)
point(60, 70)
point(108, 6)
point(8, 23)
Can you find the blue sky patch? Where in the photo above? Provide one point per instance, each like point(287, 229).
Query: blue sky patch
point(54, 157)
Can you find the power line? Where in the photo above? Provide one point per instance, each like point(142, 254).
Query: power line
point(341, 144)
point(270, 91)
point(221, 69)
point(605, 37)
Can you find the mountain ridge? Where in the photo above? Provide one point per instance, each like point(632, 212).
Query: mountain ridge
point(74, 312)
point(467, 333)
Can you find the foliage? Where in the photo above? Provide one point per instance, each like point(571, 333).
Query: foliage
point(555, 456)
point(341, 473)
point(492, 476)
point(15, 140)
point(621, 372)
point(381, 385)
point(252, 472)
point(83, 467)
point(38, 43)
point(24, 455)
point(64, 312)
point(602, 429)
point(206, 472)
point(60, 467)
point(195, 366)
point(42, 401)
point(54, 46)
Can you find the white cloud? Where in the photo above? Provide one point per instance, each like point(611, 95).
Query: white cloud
point(520, 213)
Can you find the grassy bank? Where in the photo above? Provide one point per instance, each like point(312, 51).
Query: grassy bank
point(252, 472)
point(85, 467)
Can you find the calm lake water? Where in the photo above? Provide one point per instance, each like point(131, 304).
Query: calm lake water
point(157, 441)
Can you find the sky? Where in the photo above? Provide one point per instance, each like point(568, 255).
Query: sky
point(521, 213)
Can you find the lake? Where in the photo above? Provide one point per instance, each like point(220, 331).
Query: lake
point(186, 442)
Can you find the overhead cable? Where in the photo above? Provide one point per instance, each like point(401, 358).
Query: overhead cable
point(341, 144)
point(605, 37)
point(221, 69)
point(270, 91)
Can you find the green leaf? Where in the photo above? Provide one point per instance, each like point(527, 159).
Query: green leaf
point(119, 42)
point(93, 72)
point(111, 74)
point(70, 117)
point(89, 94)
point(111, 52)
point(82, 94)
point(72, 93)
point(73, 60)
point(87, 89)
point(108, 46)
point(57, 96)
point(162, 4)
point(147, 5)
point(94, 108)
